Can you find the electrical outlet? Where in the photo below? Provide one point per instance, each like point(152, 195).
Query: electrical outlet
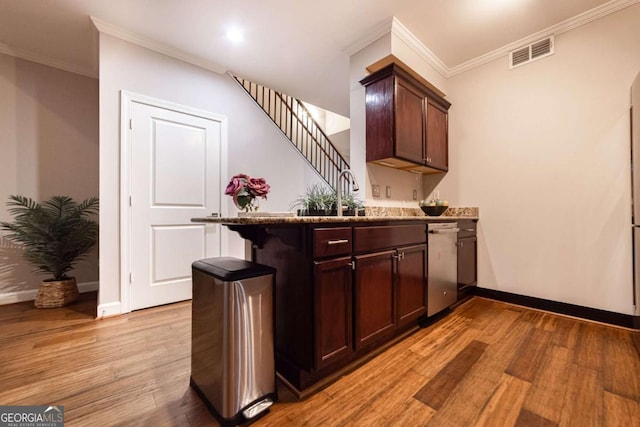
point(375, 190)
point(415, 194)
point(388, 192)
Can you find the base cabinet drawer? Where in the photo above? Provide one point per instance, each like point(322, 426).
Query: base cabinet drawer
point(369, 239)
point(331, 242)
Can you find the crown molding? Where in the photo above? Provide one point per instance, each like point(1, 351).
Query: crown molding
point(406, 36)
point(383, 28)
point(148, 43)
point(395, 27)
point(562, 27)
point(592, 15)
point(46, 60)
point(392, 25)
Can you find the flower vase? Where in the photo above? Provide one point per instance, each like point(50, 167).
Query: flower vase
point(249, 208)
point(252, 206)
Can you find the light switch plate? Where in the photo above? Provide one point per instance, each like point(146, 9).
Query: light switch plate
point(375, 190)
point(415, 194)
point(388, 192)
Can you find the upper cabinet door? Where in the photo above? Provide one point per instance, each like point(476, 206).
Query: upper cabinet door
point(409, 130)
point(436, 131)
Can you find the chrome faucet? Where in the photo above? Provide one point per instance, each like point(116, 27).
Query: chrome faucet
point(339, 189)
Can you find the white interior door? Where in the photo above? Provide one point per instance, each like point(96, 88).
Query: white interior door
point(175, 176)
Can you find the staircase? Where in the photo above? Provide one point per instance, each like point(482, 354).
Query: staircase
point(297, 124)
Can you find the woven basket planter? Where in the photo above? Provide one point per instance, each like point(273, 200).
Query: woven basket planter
point(57, 294)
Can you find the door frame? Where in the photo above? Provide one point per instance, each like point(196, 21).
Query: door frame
point(126, 101)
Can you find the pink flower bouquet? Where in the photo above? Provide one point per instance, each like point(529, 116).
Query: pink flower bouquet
point(245, 190)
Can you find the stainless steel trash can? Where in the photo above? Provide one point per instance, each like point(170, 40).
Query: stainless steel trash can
point(232, 350)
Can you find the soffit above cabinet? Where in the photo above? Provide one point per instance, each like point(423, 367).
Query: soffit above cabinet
point(392, 59)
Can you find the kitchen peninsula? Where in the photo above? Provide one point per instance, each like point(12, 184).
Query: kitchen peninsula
point(346, 287)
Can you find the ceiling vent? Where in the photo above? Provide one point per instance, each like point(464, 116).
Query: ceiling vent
point(531, 52)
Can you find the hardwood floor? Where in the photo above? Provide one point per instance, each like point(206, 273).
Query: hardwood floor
point(486, 364)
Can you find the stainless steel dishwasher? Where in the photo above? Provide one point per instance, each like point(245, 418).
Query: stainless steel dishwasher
point(442, 278)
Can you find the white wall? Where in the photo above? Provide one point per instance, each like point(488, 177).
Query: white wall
point(49, 128)
point(543, 150)
point(357, 140)
point(255, 145)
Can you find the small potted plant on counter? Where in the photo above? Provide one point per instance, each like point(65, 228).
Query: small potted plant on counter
point(318, 200)
point(54, 235)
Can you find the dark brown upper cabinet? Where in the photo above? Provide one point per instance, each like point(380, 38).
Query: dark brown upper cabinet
point(406, 122)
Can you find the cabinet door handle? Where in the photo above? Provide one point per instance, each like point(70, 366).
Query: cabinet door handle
point(353, 265)
point(337, 242)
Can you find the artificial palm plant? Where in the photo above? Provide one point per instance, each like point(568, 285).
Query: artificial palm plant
point(54, 235)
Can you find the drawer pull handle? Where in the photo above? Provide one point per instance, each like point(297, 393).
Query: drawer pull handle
point(337, 242)
point(469, 229)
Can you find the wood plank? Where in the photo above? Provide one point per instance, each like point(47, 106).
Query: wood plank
point(436, 391)
point(545, 398)
point(584, 399)
point(475, 390)
point(621, 365)
point(410, 413)
point(528, 357)
point(589, 349)
point(464, 405)
point(619, 411)
point(529, 419)
point(504, 406)
point(565, 332)
point(134, 370)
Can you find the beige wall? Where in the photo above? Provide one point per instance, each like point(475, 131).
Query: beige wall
point(543, 150)
point(49, 128)
point(255, 145)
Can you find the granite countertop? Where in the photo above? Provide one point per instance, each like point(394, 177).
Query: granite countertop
point(373, 214)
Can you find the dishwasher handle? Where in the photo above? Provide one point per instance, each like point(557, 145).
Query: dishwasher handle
point(444, 231)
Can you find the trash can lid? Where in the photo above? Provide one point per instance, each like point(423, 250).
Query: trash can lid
point(229, 269)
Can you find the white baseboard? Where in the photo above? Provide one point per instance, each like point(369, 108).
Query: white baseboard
point(30, 295)
point(109, 309)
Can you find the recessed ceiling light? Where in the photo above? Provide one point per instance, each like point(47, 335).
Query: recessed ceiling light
point(235, 35)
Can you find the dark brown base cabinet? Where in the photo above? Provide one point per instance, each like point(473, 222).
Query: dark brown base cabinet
point(467, 258)
point(342, 292)
point(411, 284)
point(374, 299)
point(333, 300)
